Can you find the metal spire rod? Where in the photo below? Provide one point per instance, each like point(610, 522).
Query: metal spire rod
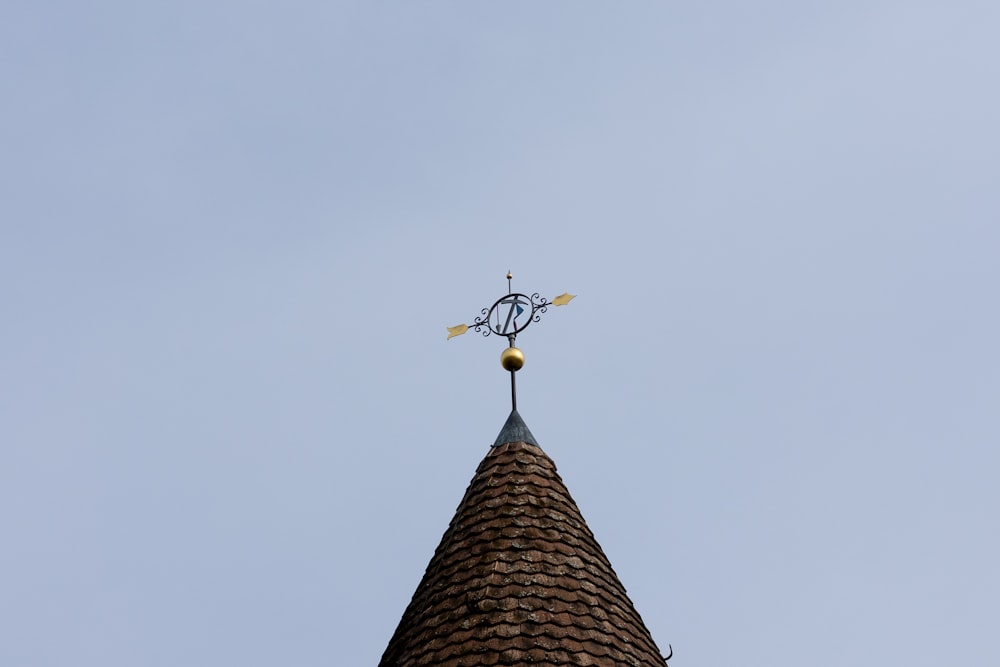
point(513, 391)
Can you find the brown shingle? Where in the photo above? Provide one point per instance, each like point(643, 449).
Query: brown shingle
point(518, 579)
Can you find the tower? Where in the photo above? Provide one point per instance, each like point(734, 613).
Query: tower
point(518, 578)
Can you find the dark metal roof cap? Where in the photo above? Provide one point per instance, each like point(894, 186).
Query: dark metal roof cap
point(515, 430)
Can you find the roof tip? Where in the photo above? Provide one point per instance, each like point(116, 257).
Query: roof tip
point(515, 430)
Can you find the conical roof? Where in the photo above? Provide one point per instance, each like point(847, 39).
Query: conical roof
point(518, 578)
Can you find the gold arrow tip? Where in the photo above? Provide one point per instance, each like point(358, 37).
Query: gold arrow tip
point(563, 299)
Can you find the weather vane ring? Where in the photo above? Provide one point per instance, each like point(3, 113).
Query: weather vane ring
point(503, 317)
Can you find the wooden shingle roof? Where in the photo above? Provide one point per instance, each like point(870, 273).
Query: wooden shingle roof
point(518, 579)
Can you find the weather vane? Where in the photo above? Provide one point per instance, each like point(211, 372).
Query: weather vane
point(509, 316)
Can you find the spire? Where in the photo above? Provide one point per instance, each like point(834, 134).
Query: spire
point(518, 578)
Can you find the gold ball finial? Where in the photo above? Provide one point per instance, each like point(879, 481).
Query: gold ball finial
point(512, 359)
point(509, 275)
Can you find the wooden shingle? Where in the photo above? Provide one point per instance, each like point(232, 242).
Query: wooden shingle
point(518, 579)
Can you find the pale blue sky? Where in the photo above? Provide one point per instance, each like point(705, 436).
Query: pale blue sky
point(232, 235)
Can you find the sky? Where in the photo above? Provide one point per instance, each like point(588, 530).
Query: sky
point(232, 234)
